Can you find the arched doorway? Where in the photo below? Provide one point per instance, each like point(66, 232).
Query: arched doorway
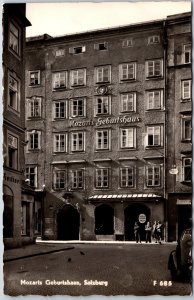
point(68, 222)
point(104, 220)
point(132, 213)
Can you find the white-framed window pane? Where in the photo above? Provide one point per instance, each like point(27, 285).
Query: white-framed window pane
point(186, 128)
point(127, 177)
point(60, 110)
point(154, 68)
point(186, 89)
point(34, 77)
point(103, 74)
point(77, 177)
point(102, 178)
point(154, 99)
point(34, 107)
point(77, 142)
point(31, 174)
point(13, 100)
point(128, 138)
point(78, 77)
point(78, 107)
point(102, 139)
point(187, 53)
point(128, 102)
point(153, 176)
point(59, 179)
point(14, 38)
point(127, 71)
point(59, 142)
point(59, 80)
point(154, 136)
point(102, 105)
point(187, 169)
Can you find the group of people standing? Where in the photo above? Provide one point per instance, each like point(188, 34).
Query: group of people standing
point(152, 232)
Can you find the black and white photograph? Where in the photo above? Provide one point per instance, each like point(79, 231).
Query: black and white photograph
point(97, 148)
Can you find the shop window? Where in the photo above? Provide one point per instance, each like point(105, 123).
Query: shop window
point(102, 178)
point(102, 105)
point(34, 78)
point(12, 152)
point(77, 141)
point(153, 176)
point(14, 93)
point(186, 90)
point(78, 77)
point(154, 68)
point(128, 138)
point(34, 107)
point(187, 54)
point(59, 80)
point(186, 128)
point(103, 74)
point(127, 177)
point(25, 218)
point(78, 107)
point(127, 71)
point(14, 39)
point(31, 175)
point(77, 179)
point(154, 99)
point(60, 109)
point(128, 102)
point(104, 220)
point(187, 169)
point(60, 142)
point(102, 139)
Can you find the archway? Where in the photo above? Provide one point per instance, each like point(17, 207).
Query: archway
point(104, 220)
point(68, 222)
point(132, 213)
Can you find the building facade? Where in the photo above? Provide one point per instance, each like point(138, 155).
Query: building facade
point(18, 199)
point(96, 119)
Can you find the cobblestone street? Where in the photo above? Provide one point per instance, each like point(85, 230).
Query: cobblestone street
point(125, 269)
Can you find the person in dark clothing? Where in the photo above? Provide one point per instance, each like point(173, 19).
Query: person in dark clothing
point(148, 230)
point(159, 232)
point(137, 232)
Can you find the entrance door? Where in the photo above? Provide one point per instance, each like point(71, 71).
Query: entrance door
point(184, 217)
point(68, 222)
point(132, 213)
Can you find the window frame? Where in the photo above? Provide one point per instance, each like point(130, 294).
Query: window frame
point(134, 96)
point(126, 44)
point(15, 151)
point(59, 102)
point(154, 136)
point(103, 105)
point(154, 61)
point(152, 39)
point(62, 139)
point(128, 64)
point(77, 115)
point(30, 102)
point(102, 70)
point(38, 78)
point(35, 174)
point(183, 98)
point(77, 141)
point(161, 99)
point(17, 27)
point(73, 77)
point(62, 184)
point(126, 185)
point(97, 46)
point(29, 134)
point(17, 92)
point(134, 137)
point(187, 52)
point(153, 179)
point(102, 138)
point(101, 170)
point(75, 179)
point(73, 50)
point(184, 119)
point(61, 87)
point(183, 168)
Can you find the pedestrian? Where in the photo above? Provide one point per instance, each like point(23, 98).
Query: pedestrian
point(159, 232)
point(137, 232)
point(148, 230)
point(154, 231)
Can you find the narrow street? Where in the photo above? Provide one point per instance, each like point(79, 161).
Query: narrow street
point(95, 270)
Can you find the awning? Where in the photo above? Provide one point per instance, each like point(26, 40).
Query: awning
point(124, 196)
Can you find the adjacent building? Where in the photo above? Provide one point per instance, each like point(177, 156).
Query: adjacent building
point(18, 198)
point(98, 118)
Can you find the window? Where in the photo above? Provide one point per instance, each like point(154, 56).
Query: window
point(128, 138)
point(154, 68)
point(186, 128)
point(128, 102)
point(34, 107)
point(14, 93)
point(25, 218)
point(187, 54)
point(77, 141)
point(102, 105)
point(103, 74)
point(186, 89)
point(187, 169)
point(60, 52)
point(127, 43)
point(102, 178)
point(60, 80)
point(154, 39)
point(153, 176)
point(12, 151)
point(60, 109)
point(34, 140)
point(78, 77)
point(14, 39)
point(128, 71)
point(154, 136)
point(37, 217)
point(127, 177)
point(101, 46)
point(60, 142)
point(154, 99)
point(77, 179)
point(77, 50)
point(102, 139)
point(78, 107)
point(34, 77)
point(31, 174)
point(59, 179)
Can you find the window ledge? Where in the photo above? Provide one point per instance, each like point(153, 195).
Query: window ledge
point(154, 147)
point(186, 141)
point(154, 77)
point(127, 80)
point(59, 89)
point(34, 85)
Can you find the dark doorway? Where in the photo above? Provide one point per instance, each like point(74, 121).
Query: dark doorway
point(184, 217)
point(132, 213)
point(104, 220)
point(68, 222)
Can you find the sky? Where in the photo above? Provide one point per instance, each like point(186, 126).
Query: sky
point(58, 19)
